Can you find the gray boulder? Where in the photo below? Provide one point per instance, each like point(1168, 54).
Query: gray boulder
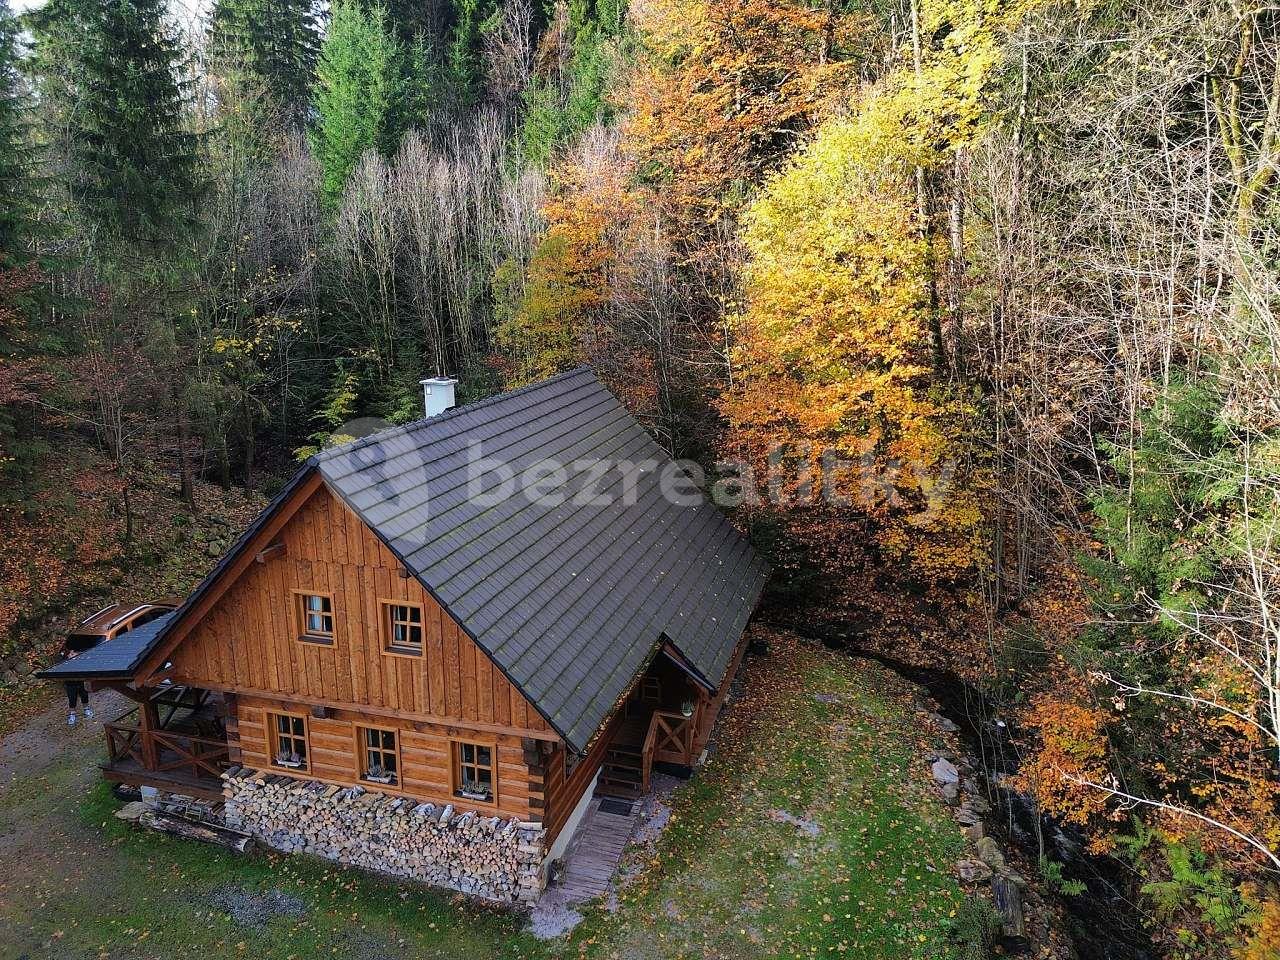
point(944, 771)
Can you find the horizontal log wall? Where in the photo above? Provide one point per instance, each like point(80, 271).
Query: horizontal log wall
point(426, 765)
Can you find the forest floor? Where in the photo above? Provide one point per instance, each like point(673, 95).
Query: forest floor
point(68, 541)
point(812, 831)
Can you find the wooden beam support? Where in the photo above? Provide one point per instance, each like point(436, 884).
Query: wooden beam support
point(676, 657)
point(148, 723)
point(270, 553)
point(120, 687)
point(424, 723)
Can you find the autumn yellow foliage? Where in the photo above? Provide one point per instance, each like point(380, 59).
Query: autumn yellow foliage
point(1264, 943)
point(835, 354)
point(1233, 780)
point(726, 88)
point(838, 335)
point(547, 318)
point(1064, 774)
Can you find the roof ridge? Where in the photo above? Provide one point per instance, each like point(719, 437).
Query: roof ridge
point(453, 412)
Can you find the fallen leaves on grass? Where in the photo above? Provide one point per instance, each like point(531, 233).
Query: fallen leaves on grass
point(816, 739)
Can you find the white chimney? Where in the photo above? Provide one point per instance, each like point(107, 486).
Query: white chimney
point(437, 394)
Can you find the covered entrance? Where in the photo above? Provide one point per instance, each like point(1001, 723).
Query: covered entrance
point(666, 719)
point(174, 738)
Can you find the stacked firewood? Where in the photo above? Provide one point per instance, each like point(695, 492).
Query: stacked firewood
point(487, 857)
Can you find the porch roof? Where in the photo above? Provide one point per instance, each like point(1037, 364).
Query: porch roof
point(114, 659)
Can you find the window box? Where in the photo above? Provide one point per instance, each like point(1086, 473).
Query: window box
point(289, 740)
point(474, 772)
point(378, 755)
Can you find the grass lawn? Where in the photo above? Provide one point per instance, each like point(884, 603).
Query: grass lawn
point(347, 914)
point(810, 833)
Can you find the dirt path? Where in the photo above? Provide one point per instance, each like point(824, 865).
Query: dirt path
point(46, 738)
point(46, 851)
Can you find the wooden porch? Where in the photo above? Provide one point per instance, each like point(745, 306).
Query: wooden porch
point(174, 739)
point(667, 719)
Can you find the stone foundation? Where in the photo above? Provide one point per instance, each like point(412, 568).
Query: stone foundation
point(486, 857)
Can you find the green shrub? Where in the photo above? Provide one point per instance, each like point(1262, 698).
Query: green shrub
point(975, 930)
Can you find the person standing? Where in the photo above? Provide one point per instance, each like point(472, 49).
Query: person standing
point(77, 693)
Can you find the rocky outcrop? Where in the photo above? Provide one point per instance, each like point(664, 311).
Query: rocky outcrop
point(954, 777)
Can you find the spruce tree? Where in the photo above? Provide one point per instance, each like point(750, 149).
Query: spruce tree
point(414, 20)
point(463, 67)
point(267, 48)
point(359, 92)
point(573, 96)
point(115, 66)
point(16, 184)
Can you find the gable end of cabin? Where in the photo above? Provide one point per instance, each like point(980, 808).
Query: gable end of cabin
point(322, 645)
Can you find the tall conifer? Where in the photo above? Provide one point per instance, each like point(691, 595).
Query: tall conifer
point(359, 92)
point(267, 47)
point(16, 187)
point(414, 20)
point(463, 60)
point(115, 66)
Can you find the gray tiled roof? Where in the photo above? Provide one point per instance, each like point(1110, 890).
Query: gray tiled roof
point(568, 598)
point(115, 658)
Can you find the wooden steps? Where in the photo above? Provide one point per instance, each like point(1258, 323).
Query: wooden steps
point(621, 775)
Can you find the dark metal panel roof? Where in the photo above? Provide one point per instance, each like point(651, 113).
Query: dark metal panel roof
point(570, 593)
point(112, 658)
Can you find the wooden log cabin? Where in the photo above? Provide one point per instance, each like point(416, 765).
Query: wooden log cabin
point(506, 607)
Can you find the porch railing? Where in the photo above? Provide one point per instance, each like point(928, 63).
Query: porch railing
point(124, 742)
point(669, 740)
point(200, 756)
point(165, 750)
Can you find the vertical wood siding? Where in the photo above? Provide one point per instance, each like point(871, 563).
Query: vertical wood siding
point(248, 642)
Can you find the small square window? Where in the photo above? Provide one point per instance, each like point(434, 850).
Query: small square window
point(402, 626)
point(379, 755)
point(315, 617)
point(473, 771)
point(288, 740)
